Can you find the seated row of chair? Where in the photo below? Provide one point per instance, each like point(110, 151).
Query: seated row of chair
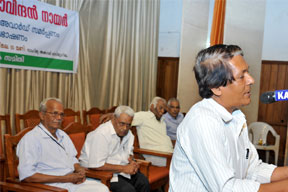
point(157, 176)
point(31, 119)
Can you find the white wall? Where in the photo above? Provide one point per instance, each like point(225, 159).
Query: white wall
point(193, 39)
point(275, 43)
point(170, 28)
point(244, 26)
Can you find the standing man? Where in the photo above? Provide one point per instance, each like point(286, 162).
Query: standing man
point(151, 130)
point(213, 151)
point(47, 154)
point(173, 117)
point(110, 148)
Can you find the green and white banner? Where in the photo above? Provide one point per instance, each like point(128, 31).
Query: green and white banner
point(38, 36)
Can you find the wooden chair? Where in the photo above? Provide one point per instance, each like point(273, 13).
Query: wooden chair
point(70, 116)
point(111, 110)
point(30, 119)
point(77, 132)
point(5, 186)
point(6, 119)
point(158, 176)
point(92, 117)
point(12, 161)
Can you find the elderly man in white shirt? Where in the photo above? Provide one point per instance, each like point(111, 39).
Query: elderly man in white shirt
point(110, 148)
point(151, 130)
point(47, 154)
point(213, 151)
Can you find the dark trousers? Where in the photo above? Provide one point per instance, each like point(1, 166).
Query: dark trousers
point(137, 183)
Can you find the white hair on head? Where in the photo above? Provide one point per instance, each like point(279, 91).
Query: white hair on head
point(43, 106)
point(172, 99)
point(124, 109)
point(155, 100)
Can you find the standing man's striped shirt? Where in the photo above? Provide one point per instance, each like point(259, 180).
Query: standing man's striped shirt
point(213, 153)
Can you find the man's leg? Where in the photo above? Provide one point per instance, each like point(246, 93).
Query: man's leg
point(140, 182)
point(92, 185)
point(123, 185)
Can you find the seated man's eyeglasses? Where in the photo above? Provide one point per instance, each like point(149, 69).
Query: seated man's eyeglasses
point(122, 124)
point(55, 114)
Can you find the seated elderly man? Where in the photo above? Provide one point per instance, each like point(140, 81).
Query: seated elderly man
point(173, 117)
point(47, 154)
point(110, 148)
point(151, 131)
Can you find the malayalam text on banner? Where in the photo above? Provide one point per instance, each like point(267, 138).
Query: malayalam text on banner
point(38, 36)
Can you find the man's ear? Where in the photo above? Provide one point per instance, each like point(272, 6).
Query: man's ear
point(41, 115)
point(152, 107)
point(217, 91)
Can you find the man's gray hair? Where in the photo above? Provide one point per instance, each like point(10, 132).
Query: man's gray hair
point(172, 99)
point(155, 101)
point(124, 109)
point(43, 106)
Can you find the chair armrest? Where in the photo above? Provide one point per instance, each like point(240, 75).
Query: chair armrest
point(166, 155)
point(19, 187)
point(104, 176)
point(2, 157)
point(38, 186)
point(153, 152)
point(144, 166)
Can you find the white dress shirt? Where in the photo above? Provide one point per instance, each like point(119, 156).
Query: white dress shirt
point(104, 146)
point(213, 152)
point(40, 152)
point(152, 135)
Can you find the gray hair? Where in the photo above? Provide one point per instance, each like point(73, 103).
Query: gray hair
point(171, 100)
point(212, 68)
point(155, 100)
point(124, 109)
point(43, 106)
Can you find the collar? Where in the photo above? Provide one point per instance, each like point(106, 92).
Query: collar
point(114, 134)
point(59, 134)
point(170, 116)
point(224, 114)
point(153, 116)
point(227, 117)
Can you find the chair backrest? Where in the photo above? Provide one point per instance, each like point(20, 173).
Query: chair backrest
point(10, 146)
point(30, 119)
point(93, 117)
point(111, 110)
point(136, 144)
point(70, 116)
point(258, 132)
point(77, 133)
point(136, 141)
point(6, 120)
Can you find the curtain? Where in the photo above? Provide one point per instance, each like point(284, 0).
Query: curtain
point(117, 61)
point(217, 30)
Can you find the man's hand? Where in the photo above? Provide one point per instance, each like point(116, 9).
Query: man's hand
point(76, 178)
point(105, 117)
point(131, 168)
point(133, 161)
point(81, 170)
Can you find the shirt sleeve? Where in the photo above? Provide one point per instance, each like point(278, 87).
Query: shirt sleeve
point(137, 119)
point(97, 150)
point(258, 170)
point(28, 154)
point(208, 154)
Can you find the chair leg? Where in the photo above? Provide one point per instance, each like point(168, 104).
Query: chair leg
point(166, 187)
point(276, 156)
point(267, 156)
